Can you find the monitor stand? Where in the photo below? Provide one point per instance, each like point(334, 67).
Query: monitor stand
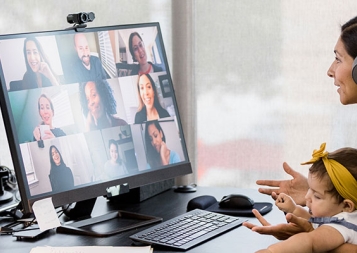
point(81, 213)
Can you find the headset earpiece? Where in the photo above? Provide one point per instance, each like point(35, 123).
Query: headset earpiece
point(354, 70)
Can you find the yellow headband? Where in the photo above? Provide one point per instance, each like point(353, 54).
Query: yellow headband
point(342, 179)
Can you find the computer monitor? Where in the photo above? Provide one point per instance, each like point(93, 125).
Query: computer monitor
point(88, 110)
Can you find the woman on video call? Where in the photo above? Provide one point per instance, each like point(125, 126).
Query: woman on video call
point(61, 177)
point(114, 167)
point(138, 52)
point(149, 105)
point(38, 69)
point(341, 71)
point(99, 105)
point(158, 153)
point(46, 111)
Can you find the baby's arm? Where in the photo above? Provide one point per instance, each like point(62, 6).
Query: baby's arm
point(322, 239)
point(286, 204)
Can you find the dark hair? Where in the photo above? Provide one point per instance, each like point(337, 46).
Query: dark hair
point(53, 164)
point(349, 37)
point(157, 104)
point(346, 157)
point(152, 155)
point(105, 93)
point(113, 142)
point(49, 100)
point(131, 49)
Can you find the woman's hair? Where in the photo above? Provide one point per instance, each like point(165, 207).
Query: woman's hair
point(152, 155)
point(105, 93)
point(49, 100)
point(347, 157)
point(157, 104)
point(131, 49)
point(53, 164)
point(349, 37)
point(113, 142)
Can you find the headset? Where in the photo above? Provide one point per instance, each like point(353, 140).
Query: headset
point(354, 70)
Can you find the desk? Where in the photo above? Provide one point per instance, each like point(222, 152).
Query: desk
point(166, 205)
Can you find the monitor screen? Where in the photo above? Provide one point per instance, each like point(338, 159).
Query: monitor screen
point(86, 111)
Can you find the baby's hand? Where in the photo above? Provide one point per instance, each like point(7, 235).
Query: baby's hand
point(285, 203)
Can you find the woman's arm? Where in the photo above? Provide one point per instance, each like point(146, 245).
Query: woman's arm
point(322, 239)
point(296, 187)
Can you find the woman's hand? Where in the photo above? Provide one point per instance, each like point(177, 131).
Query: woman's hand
point(48, 135)
point(164, 154)
point(280, 231)
point(37, 133)
point(46, 71)
point(296, 187)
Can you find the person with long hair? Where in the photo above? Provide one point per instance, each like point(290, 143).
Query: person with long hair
point(157, 152)
point(47, 112)
point(149, 104)
point(114, 167)
point(61, 177)
point(341, 71)
point(38, 69)
point(138, 52)
point(99, 105)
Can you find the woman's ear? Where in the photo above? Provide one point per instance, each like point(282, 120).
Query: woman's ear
point(348, 206)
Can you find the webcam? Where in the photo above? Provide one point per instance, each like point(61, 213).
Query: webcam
point(80, 18)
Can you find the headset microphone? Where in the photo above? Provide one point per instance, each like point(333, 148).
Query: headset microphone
point(354, 70)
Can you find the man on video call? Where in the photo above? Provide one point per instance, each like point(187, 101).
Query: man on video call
point(86, 67)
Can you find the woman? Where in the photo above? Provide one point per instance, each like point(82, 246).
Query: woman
point(157, 151)
point(138, 52)
point(99, 105)
point(46, 111)
point(61, 177)
point(38, 70)
point(341, 71)
point(114, 167)
point(149, 105)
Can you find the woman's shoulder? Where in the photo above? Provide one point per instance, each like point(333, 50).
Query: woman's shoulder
point(58, 132)
point(156, 67)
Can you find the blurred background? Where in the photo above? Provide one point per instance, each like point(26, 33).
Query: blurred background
point(250, 77)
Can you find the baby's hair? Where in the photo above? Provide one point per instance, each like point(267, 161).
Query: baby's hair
point(346, 157)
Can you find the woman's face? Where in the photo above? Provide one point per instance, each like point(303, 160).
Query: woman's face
point(341, 71)
point(113, 152)
point(46, 112)
point(56, 156)
point(146, 91)
point(155, 137)
point(94, 103)
point(139, 50)
point(33, 56)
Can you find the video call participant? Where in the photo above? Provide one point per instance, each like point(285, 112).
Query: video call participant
point(61, 177)
point(99, 105)
point(46, 111)
point(158, 154)
point(138, 52)
point(341, 71)
point(38, 69)
point(86, 66)
point(114, 167)
point(149, 105)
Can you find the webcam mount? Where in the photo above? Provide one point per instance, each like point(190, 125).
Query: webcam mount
point(80, 19)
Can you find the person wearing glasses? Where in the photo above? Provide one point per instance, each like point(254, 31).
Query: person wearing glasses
point(138, 52)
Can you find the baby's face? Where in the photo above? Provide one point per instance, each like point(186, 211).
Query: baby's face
point(320, 202)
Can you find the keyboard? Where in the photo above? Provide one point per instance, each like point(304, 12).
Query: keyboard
point(188, 230)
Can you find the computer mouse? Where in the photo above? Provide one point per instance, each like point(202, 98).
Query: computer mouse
point(237, 201)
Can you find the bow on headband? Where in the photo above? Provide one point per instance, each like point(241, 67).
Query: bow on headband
point(342, 179)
